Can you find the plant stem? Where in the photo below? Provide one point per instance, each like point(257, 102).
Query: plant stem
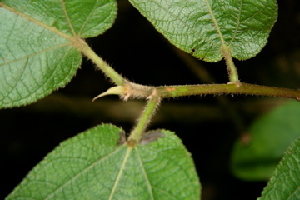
point(101, 64)
point(244, 88)
point(141, 91)
point(143, 121)
point(231, 69)
point(199, 70)
point(187, 90)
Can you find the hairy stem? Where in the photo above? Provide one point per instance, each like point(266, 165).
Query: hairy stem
point(143, 121)
point(101, 64)
point(199, 70)
point(243, 88)
point(130, 89)
point(231, 69)
point(187, 90)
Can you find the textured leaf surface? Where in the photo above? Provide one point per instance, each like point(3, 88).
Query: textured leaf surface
point(203, 27)
point(37, 54)
point(93, 166)
point(285, 182)
point(270, 136)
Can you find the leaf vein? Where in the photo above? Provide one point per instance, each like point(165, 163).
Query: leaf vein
point(64, 9)
point(214, 20)
point(191, 28)
point(238, 23)
point(86, 20)
point(145, 174)
point(129, 149)
point(53, 29)
point(81, 172)
point(34, 54)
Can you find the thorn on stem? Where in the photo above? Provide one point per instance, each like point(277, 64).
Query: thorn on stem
point(118, 90)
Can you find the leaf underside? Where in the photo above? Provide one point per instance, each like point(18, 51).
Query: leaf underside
point(204, 27)
point(285, 182)
point(37, 53)
point(93, 166)
point(269, 137)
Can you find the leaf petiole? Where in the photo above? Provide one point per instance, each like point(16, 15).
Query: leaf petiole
point(144, 120)
point(231, 69)
point(101, 64)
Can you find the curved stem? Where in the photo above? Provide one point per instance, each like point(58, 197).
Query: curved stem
point(143, 121)
point(130, 89)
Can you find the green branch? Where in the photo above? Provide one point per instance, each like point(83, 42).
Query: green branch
point(131, 90)
point(242, 88)
point(143, 121)
point(101, 64)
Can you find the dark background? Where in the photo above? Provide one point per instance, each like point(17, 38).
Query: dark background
point(207, 125)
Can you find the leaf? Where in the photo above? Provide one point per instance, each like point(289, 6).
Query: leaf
point(269, 137)
point(205, 27)
point(93, 166)
point(285, 182)
point(38, 51)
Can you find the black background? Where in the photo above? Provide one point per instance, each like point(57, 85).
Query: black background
point(134, 49)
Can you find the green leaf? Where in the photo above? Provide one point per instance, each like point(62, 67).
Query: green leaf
point(93, 165)
point(285, 182)
point(38, 51)
point(205, 27)
point(269, 137)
